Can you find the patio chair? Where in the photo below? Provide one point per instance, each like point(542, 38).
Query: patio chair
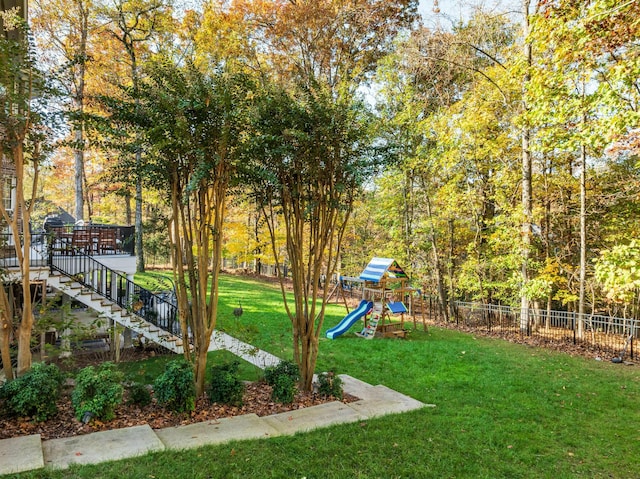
point(107, 241)
point(82, 241)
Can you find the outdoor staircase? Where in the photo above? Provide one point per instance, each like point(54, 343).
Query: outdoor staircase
point(116, 298)
point(108, 309)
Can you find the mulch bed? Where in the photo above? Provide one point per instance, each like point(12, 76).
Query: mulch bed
point(257, 400)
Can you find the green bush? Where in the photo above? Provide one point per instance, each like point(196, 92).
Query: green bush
point(283, 368)
point(35, 393)
point(226, 387)
point(139, 395)
point(97, 392)
point(330, 384)
point(284, 389)
point(283, 378)
point(175, 387)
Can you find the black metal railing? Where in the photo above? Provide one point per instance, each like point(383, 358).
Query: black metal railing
point(69, 240)
point(93, 239)
point(38, 253)
point(155, 308)
point(599, 334)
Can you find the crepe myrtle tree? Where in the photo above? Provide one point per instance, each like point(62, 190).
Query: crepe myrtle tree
point(190, 125)
point(311, 151)
point(27, 120)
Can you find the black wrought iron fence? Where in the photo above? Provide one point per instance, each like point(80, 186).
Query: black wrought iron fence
point(38, 252)
point(597, 333)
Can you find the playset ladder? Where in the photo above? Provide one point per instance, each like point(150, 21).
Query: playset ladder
point(370, 330)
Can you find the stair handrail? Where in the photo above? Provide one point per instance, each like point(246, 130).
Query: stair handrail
point(116, 287)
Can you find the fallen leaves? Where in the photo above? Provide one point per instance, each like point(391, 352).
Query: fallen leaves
point(257, 400)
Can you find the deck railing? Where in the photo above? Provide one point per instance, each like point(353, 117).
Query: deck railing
point(70, 240)
point(93, 239)
point(38, 253)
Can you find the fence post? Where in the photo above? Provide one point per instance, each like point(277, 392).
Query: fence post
point(573, 325)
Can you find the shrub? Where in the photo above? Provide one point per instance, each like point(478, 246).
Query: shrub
point(226, 387)
point(139, 395)
point(35, 393)
point(284, 389)
point(97, 392)
point(283, 378)
point(283, 368)
point(330, 384)
point(175, 388)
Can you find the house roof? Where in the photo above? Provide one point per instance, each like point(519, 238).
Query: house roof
point(379, 267)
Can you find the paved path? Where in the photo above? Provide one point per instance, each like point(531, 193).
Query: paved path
point(249, 353)
point(28, 453)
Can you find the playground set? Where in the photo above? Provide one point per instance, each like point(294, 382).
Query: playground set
point(384, 289)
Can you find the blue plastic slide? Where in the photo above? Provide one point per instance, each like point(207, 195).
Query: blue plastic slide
point(350, 319)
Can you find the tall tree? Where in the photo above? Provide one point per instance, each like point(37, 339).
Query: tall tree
point(527, 193)
point(323, 51)
point(441, 133)
point(133, 23)
point(330, 41)
point(312, 154)
point(191, 126)
point(24, 139)
point(65, 28)
point(580, 98)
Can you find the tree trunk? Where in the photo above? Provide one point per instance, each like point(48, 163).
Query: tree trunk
point(437, 267)
point(200, 369)
point(526, 176)
point(78, 100)
point(27, 320)
point(78, 155)
point(138, 225)
point(127, 208)
point(408, 214)
point(583, 239)
point(138, 215)
point(6, 328)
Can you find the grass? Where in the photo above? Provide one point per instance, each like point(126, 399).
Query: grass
point(147, 371)
point(503, 411)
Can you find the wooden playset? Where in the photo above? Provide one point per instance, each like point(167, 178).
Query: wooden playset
point(386, 285)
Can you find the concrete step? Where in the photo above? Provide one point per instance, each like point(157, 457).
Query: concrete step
point(101, 446)
point(21, 454)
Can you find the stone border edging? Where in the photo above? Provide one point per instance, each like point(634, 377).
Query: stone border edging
point(30, 452)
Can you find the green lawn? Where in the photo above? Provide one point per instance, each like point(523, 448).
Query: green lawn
point(503, 411)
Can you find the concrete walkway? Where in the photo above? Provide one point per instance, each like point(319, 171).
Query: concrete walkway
point(249, 353)
point(28, 453)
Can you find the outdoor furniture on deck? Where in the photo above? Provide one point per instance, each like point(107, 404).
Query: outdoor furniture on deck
point(92, 240)
point(62, 239)
point(107, 241)
point(82, 241)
